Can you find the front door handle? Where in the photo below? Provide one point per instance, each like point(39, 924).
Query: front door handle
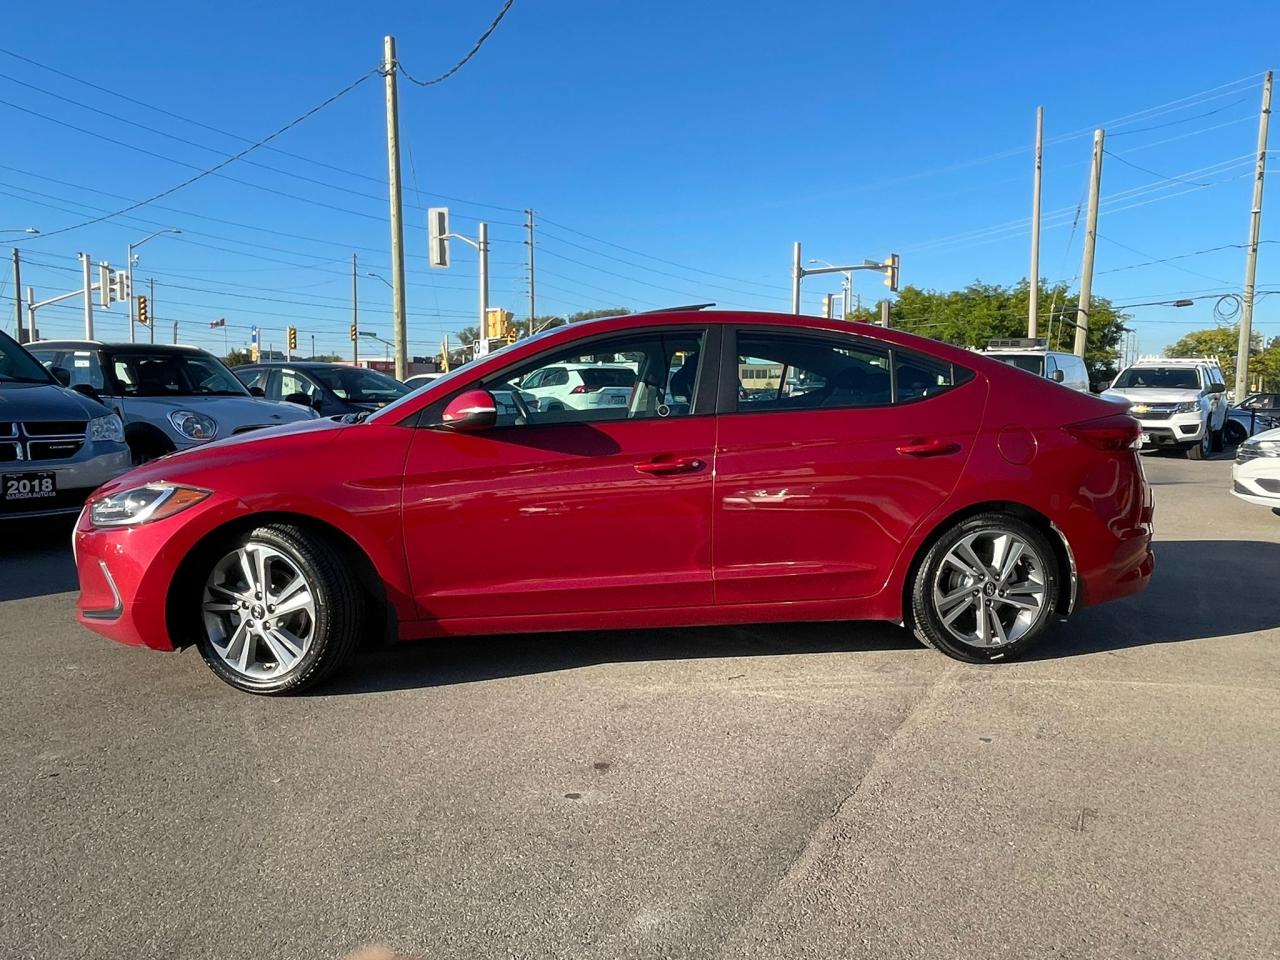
point(929, 448)
point(674, 465)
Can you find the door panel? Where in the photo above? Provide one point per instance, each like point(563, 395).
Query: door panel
point(560, 518)
point(815, 504)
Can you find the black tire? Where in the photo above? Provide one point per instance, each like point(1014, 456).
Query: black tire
point(1201, 449)
point(145, 446)
point(1234, 432)
point(339, 609)
point(927, 623)
point(1217, 442)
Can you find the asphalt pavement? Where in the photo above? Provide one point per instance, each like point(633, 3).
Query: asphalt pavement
point(779, 791)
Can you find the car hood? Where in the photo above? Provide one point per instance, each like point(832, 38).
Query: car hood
point(1149, 395)
point(230, 413)
point(1266, 435)
point(46, 401)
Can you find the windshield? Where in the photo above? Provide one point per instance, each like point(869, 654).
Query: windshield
point(358, 385)
point(18, 366)
point(1029, 363)
point(1159, 378)
point(177, 374)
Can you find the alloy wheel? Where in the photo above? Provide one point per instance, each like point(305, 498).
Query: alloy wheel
point(990, 589)
point(259, 612)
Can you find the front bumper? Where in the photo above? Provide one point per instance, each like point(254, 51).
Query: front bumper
point(1257, 481)
point(76, 479)
point(1181, 428)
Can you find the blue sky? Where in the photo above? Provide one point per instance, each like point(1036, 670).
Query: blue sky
point(702, 137)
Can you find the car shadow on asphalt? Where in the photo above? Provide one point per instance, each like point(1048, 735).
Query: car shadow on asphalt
point(1201, 590)
point(432, 663)
point(1195, 594)
point(35, 558)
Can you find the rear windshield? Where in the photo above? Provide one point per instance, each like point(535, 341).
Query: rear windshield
point(1030, 364)
point(359, 385)
point(608, 378)
point(1166, 378)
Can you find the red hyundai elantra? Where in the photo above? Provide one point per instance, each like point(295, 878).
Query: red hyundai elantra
point(754, 468)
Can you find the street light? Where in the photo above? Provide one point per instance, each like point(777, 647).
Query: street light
point(129, 267)
point(31, 230)
point(387, 344)
point(846, 286)
point(378, 276)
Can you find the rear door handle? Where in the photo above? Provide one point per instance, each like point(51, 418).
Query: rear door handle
point(674, 465)
point(929, 448)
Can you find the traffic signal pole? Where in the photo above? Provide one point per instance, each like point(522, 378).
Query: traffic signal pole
point(355, 315)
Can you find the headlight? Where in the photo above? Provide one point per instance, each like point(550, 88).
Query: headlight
point(107, 428)
point(1262, 448)
point(155, 501)
point(193, 426)
point(1189, 406)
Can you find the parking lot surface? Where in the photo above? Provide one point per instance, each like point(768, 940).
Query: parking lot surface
point(824, 790)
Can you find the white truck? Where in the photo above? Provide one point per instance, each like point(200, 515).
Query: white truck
point(1180, 402)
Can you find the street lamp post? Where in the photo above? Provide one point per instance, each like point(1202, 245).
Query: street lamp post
point(129, 267)
point(846, 286)
point(387, 344)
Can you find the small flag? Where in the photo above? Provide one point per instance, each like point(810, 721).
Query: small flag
point(220, 322)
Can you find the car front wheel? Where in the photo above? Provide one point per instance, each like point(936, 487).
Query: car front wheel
point(1201, 449)
point(985, 590)
point(1235, 432)
point(279, 610)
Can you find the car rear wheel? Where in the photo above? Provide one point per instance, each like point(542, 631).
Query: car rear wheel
point(986, 590)
point(279, 611)
point(1201, 449)
point(1234, 433)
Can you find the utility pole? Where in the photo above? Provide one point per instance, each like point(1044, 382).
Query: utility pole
point(1090, 241)
point(175, 333)
point(128, 266)
point(17, 297)
point(85, 262)
point(530, 242)
point(355, 316)
point(1033, 300)
point(400, 334)
point(313, 346)
point(1251, 262)
point(884, 314)
point(482, 248)
point(797, 272)
point(151, 306)
point(828, 306)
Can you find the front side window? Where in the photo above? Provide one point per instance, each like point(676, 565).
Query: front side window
point(157, 374)
point(296, 388)
point(18, 366)
point(254, 378)
point(360, 385)
point(638, 376)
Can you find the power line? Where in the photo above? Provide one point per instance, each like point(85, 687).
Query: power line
point(469, 54)
point(1148, 170)
point(225, 162)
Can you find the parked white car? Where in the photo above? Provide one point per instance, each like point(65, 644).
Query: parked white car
point(580, 386)
point(1255, 477)
point(1034, 356)
point(1179, 402)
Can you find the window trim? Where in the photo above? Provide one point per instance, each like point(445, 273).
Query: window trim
point(705, 400)
point(727, 399)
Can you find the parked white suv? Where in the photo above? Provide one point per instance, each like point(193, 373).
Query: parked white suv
point(580, 386)
point(1179, 402)
point(1034, 356)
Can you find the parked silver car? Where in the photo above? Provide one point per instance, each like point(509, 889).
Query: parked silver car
point(56, 445)
point(169, 397)
point(1254, 414)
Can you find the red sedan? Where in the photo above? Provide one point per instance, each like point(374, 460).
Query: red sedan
point(758, 468)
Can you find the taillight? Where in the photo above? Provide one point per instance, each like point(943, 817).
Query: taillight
point(1116, 432)
point(584, 389)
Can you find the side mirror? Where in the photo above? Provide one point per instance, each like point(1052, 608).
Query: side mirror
point(88, 391)
point(1058, 376)
point(1217, 388)
point(471, 411)
point(257, 392)
point(62, 375)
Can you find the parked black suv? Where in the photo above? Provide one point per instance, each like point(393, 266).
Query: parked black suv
point(330, 389)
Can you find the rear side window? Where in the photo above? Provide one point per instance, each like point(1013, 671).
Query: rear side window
point(608, 378)
point(919, 376)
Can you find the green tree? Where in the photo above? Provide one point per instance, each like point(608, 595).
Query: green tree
point(1220, 342)
point(980, 312)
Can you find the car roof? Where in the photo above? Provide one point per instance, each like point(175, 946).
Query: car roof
point(303, 364)
point(156, 348)
point(1174, 362)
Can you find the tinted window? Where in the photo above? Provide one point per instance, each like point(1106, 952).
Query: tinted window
point(295, 388)
point(1166, 378)
point(919, 376)
point(155, 374)
point(359, 385)
point(557, 377)
point(16, 365)
point(1031, 364)
point(253, 378)
point(643, 376)
point(786, 371)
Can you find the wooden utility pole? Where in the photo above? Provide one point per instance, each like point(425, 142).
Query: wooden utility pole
point(397, 227)
point(532, 300)
point(1090, 242)
point(1251, 260)
point(1033, 300)
point(355, 315)
point(19, 335)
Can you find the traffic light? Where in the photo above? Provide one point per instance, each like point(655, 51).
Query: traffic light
point(293, 338)
point(143, 317)
point(511, 335)
point(496, 321)
point(891, 272)
point(438, 236)
point(354, 333)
